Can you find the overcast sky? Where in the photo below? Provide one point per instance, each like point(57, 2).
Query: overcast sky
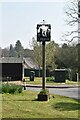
point(19, 20)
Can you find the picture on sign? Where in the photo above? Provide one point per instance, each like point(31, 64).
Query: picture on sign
point(43, 32)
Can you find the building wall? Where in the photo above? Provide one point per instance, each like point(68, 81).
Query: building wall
point(37, 72)
point(12, 70)
point(60, 76)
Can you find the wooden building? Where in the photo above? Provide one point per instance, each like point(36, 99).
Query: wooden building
point(12, 68)
point(60, 75)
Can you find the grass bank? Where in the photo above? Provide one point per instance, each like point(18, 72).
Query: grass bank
point(25, 105)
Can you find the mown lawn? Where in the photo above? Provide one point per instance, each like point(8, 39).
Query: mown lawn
point(25, 105)
point(38, 80)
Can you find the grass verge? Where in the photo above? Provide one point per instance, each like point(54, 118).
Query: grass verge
point(25, 105)
point(38, 80)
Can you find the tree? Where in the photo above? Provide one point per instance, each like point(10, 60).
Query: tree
point(5, 52)
point(72, 13)
point(51, 50)
point(19, 48)
point(28, 53)
point(67, 57)
point(64, 45)
point(0, 51)
point(73, 19)
point(12, 52)
point(78, 47)
point(37, 52)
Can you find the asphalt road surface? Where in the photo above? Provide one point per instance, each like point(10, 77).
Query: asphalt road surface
point(69, 92)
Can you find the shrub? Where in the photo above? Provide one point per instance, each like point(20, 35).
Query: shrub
point(0, 88)
point(5, 88)
point(49, 79)
point(44, 91)
point(11, 88)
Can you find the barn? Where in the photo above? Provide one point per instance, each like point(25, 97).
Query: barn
point(16, 68)
point(13, 68)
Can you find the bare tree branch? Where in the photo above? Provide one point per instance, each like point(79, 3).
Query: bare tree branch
point(72, 13)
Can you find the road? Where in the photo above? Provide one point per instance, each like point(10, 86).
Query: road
point(69, 92)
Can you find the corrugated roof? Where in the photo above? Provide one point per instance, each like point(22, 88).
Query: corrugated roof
point(11, 60)
point(28, 63)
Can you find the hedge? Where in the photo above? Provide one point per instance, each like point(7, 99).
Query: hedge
point(10, 88)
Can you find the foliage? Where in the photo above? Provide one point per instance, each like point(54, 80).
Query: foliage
point(73, 22)
point(19, 48)
point(50, 79)
point(5, 52)
point(11, 88)
point(37, 51)
point(0, 88)
point(28, 53)
point(44, 91)
point(16, 51)
point(12, 52)
point(0, 52)
point(56, 56)
point(51, 51)
point(66, 57)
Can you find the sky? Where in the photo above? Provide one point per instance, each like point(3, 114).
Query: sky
point(20, 18)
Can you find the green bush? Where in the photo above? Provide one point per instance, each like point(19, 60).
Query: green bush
point(50, 79)
point(0, 88)
point(44, 91)
point(11, 88)
point(5, 88)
